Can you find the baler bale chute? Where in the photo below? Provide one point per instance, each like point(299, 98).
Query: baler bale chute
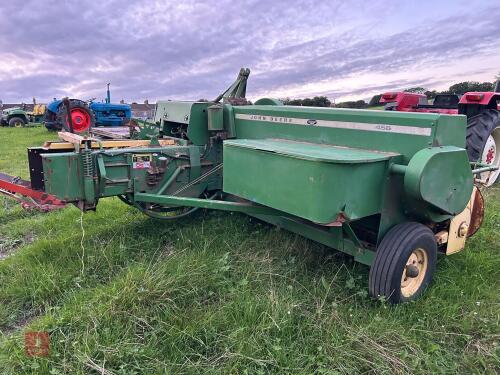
point(391, 189)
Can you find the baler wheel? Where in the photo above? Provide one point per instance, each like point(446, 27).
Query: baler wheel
point(483, 142)
point(404, 263)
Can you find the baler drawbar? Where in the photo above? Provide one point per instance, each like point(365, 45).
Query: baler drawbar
point(392, 189)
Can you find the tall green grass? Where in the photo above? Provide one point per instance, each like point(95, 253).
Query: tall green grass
point(121, 293)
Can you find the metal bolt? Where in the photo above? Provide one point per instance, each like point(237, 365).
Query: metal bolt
point(463, 229)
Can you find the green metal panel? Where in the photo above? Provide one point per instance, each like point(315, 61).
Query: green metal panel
point(198, 124)
point(313, 151)
point(215, 117)
point(114, 174)
point(63, 176)
point(451, 131)
point(191, 116)
point(167, 110)
point(229, 121)
point(305, 180)
point(440, 177)
point(402, 133)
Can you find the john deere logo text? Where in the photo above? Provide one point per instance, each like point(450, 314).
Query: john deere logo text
point(283, 120)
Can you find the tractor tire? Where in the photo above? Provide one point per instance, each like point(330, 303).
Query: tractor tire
point(404, 263)
point(50, 121)
point(83, 117)
point(483, 142)
point(17, 122)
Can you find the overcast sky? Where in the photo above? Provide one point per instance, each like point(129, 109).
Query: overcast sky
point(192, 50)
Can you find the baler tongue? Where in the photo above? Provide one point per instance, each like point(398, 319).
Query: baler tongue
point(21, 190)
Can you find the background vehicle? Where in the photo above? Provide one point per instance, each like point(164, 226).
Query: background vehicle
point(86, 115)
point(19, 116)
point(483, 121)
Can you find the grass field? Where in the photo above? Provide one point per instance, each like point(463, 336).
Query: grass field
point(121, 293)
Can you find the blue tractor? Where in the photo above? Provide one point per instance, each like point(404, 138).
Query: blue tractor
point(78, 116)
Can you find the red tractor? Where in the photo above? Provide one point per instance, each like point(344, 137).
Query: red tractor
point(483, 121)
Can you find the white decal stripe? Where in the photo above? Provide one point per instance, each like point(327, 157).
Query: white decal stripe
point(384, 128)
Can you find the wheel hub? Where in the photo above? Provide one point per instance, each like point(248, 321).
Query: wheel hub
point(414, 272)
point(80, 119)
point(491, 156)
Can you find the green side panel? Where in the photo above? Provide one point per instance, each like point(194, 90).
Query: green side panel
point(63, 176)
point(148, 170)
point(450, 131)
point(114, 174)
point(398, 132)
point(215, 117)
point(440, 177)
point(191, 116)
point(167, 110)
point(229, 121)
point(313, 151)
point(198, 124)
point(305, 180)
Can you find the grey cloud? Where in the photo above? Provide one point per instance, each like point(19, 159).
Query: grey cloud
point(190, 50)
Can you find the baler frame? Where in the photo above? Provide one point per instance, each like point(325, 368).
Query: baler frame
point(292, 167)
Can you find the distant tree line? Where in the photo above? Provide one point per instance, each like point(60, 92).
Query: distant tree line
point(317, 101)
point(323, 101)
point(457, 88)
point(352, 104)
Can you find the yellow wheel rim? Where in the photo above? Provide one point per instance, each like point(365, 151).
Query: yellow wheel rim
point(410, 283)
point(18, 124)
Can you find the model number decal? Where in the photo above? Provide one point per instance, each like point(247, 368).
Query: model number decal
point(385, 128)
point(141, 161)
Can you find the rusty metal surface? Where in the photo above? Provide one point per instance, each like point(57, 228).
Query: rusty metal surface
point(477, 213)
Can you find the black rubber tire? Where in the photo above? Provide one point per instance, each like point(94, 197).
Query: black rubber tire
point(50, 121)
point(62, 114)
point(14, 120)
point(479, 128)
point(391, 257)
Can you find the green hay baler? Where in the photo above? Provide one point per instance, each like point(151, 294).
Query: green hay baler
point(392, 189)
